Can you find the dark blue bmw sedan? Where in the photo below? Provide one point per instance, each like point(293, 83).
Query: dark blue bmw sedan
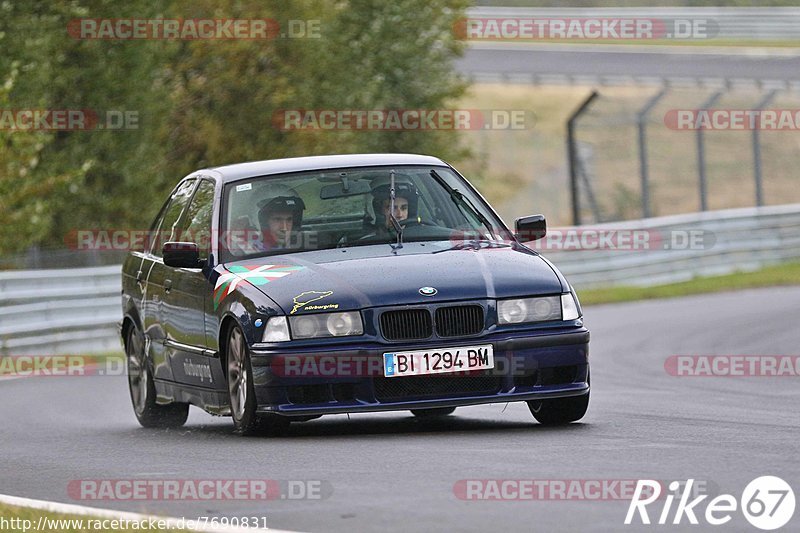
point(283, 290)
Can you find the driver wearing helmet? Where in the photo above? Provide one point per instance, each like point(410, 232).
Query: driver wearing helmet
point(280, 216)
point(406, 200)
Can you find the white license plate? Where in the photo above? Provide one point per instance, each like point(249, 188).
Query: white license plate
point(438, 361)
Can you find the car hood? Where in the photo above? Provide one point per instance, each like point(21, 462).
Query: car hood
point(371, 276)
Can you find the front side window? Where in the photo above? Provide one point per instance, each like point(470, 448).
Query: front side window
point(343, 207)
point(168, 230)
point(196, 225)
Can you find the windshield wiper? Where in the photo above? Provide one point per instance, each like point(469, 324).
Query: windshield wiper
point(459, 199)
point(475, 245)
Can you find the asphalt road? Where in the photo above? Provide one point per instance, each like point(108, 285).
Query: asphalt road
point(625, 60)
point(392, 472)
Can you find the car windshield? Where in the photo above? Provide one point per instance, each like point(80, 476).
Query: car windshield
point(351, 207)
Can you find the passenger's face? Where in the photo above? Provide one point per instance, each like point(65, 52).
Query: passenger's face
point(400, 210)
point(280, 224)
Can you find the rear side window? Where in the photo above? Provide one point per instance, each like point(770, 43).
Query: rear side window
point(168, 230)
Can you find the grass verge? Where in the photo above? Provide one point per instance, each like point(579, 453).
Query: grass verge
point(773, 276)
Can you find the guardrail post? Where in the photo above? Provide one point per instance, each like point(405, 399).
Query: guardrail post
point(701, 153)
point(757, 150)
point(572, 153)
point(641, 121)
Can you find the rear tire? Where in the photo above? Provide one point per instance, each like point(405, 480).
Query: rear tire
point(558, 411)
point(435, 412)
point(242, 393)
point(143, 391)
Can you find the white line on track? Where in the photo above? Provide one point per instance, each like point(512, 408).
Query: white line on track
point(80, 510)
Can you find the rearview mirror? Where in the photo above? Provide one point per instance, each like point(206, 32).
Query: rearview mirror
point(344, 188)
point(530, 228)
point(181, 255)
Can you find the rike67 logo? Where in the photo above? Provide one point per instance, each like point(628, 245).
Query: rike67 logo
point(767, 502)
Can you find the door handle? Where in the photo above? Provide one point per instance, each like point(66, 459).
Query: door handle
point(139, 280)
point(167, 285)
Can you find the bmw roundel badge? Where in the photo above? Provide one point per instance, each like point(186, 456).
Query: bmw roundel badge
point(428, 291)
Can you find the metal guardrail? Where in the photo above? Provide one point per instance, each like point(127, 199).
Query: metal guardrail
point(734, 240)
point(76, 310)
point(734, 23)
point(72, 310)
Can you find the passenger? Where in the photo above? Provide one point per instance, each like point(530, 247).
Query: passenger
point(280, 216)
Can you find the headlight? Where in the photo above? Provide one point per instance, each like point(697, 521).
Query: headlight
point(276, 330)
point(541, 309)
point(512, 311)
point(326, 325)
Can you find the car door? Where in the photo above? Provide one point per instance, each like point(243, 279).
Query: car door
point(188, 296)
point(155, 273)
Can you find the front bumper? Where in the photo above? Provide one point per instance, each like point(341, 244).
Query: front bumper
point(530, 366)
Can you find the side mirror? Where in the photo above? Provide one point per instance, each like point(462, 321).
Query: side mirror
point(530, 228)
point(181, 255)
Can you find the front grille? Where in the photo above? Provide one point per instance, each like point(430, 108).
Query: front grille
point(406, 324)
point(416, 324)
point(413, 387)
point(459, 321)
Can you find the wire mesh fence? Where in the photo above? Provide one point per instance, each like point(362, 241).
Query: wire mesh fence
point(669, 150)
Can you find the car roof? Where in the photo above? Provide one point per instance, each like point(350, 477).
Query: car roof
point(323, 162)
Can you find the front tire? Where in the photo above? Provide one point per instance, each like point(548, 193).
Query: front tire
point(143, 391)
point(242, 392)
point(558, 411)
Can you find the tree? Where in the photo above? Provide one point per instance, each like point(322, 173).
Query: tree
point(395, 55)
point(204, 102)
point(98, 171)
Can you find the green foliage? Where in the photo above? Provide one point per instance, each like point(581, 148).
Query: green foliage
point(23, 214)
point(81, 179)
point(204, 102)
point(393, 55)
